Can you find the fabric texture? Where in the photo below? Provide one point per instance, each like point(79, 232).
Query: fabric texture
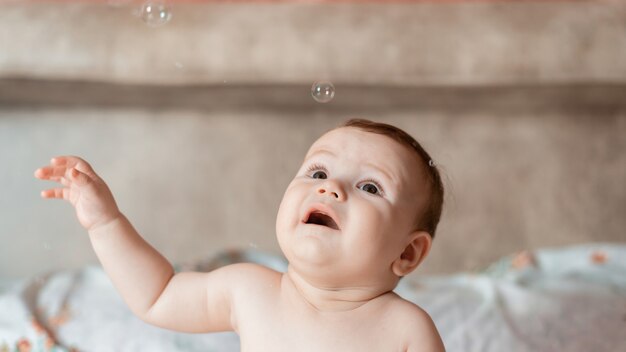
point(560, 299)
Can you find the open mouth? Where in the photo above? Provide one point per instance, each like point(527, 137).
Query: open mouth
point(319, 218)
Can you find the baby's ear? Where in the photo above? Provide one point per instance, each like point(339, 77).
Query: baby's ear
point(414, 253)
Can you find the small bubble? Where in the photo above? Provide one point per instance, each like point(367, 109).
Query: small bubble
point(155, 13)
point(323, 91)
point(46, 246)
point(431, 163)
point(178, 64)
point(253, 245)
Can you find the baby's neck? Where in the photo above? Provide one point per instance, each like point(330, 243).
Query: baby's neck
point(332, 299)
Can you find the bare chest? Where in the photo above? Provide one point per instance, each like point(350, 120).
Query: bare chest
point(284, 332)
point(320, 339)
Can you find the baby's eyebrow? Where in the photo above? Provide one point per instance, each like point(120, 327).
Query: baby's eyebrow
point(321, 151)
point(382, 171)
point(370, 165)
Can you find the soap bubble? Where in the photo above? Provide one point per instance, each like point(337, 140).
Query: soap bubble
point(155, 13)
point(432, 163)
point(323, 91)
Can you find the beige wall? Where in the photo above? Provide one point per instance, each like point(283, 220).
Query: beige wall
point(193, 181)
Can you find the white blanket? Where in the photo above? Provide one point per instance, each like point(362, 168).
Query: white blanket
point(565, 299)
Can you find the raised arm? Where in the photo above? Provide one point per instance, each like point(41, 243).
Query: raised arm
point(190, 302)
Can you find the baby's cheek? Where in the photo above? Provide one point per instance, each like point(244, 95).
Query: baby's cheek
point(406, 211)
point(289, 209)
point(371, 213)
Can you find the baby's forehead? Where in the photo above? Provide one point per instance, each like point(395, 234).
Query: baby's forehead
point(348, 139)
point(342, 137)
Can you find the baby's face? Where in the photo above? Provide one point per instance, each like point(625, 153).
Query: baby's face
point(369, 185)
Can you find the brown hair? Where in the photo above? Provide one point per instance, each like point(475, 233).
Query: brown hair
point(429, 218)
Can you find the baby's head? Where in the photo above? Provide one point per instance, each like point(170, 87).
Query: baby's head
point(363, 209)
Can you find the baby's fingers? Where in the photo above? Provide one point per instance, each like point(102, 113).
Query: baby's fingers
point(50, 173)
point(77, 177)
point(58, 193)
point(61, 180)
point(69, 161)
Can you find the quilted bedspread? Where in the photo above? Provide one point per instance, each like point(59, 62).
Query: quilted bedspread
point(553, 299)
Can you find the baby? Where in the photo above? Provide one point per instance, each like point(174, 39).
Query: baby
point(359, 215)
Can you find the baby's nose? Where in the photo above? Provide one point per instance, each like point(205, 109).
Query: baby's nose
point(332, 191)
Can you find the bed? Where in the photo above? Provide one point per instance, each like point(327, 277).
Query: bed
point(532, 147)
point(569, 298)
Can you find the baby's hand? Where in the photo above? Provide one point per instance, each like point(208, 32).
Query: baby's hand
point(90, 196)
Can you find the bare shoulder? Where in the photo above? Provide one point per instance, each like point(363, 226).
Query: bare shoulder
point(246, 276)
point(250, 269)
point(416, 328)
point(252, 287)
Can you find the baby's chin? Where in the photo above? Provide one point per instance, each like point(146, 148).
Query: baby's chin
point(310, 253)
point(311, 250)
point(310, 246)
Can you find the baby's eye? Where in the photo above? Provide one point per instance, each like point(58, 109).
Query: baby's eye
point(320, 171)
point(319, 174)
point(372, 187)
